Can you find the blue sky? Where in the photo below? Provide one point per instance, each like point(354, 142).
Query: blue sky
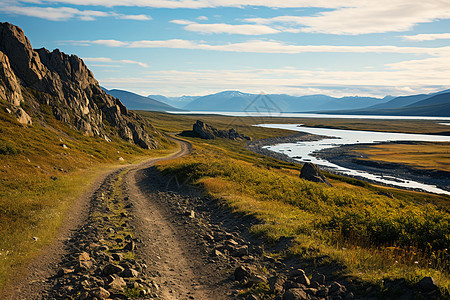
point(299, 47)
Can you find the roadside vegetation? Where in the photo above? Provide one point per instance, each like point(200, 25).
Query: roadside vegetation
point(374, 232)
point(44, 168)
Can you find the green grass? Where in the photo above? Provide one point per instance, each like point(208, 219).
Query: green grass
point(424, 155)
point(179, 122)
point(355, 223)
point(40, 179)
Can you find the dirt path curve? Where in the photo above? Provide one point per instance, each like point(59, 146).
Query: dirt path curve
point(170, 245)
point(46, 264)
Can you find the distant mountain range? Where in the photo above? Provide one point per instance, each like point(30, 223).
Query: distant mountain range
point(137, 102)
point(434, 104)
point(177, 102)
point(238, 101)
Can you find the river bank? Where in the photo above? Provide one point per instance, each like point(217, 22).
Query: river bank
point(347, 156)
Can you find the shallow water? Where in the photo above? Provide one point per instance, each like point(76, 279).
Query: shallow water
point(302, 151)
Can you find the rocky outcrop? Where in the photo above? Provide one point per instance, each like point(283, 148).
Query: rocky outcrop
point(311, 172)
point(42, 78)
point(205, 131)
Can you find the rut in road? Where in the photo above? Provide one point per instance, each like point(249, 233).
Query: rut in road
point(137, 236)
point(182, 267)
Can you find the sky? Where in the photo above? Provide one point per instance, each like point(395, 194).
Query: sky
point(297, 47)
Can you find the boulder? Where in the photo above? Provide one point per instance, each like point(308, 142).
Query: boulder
point(311, 172)
point(295, 294)
point(128, 273)
point(116, 284)
point(242, 272)
point(208, 132)
point(111, 269)
point(22, 117)
point(427, 284)
point(99, 293)
point(276, 284)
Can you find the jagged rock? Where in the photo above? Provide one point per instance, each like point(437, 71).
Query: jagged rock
point(276, 284)
point(10, 90)
point(295, 294)
point(241, 273)
point(239, 251)
point(116, 284)
point(205, 131)
point(319, 278)
point(117, 256)
point(111, 269)
point(129, 273)
point(65, 271)
point(337, 288)
point(84, 256)
point(130, 246)
point(311, 172)
point(99, 293)
point(42, 78)
point(300, 276)
point(22, 117)
point(322, 291)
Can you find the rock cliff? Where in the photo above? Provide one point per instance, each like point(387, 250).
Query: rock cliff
point(54, 81)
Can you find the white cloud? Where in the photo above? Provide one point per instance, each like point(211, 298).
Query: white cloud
point(202, 18)
point(109, 43)
point(110, 60)
point(196, 4)
point(367, 17)
point(135, 17)
point(246, 29)
point(350, 17)
point(427, 37)
point(285, 80)
point(54, 13)
point(65, 13)
point(266, 46)
point(182, 22)
point(439, 65)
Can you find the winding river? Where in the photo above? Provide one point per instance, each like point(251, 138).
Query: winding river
point(303, 151)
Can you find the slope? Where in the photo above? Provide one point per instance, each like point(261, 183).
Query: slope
point(138, 102)
point(238, 101)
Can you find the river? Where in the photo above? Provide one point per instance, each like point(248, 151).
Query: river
point(303, 151)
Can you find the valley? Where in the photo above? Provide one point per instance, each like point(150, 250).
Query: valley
point(101, 201)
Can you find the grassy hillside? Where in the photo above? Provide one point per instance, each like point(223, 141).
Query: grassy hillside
point(43, 169)
point(373, 232)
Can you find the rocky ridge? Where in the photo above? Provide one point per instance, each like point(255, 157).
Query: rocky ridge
point(33, 82)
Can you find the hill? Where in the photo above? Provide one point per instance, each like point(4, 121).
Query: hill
point(440, 98)
point(138, 102)
point(403, 101)
point(433, 105)
point(177, 102)
point(238, 101)
point(38, 85)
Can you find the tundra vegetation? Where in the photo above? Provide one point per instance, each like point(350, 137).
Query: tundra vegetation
point(44, 168)
point(374, 232)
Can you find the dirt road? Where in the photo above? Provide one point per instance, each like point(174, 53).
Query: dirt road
point(123, 221)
